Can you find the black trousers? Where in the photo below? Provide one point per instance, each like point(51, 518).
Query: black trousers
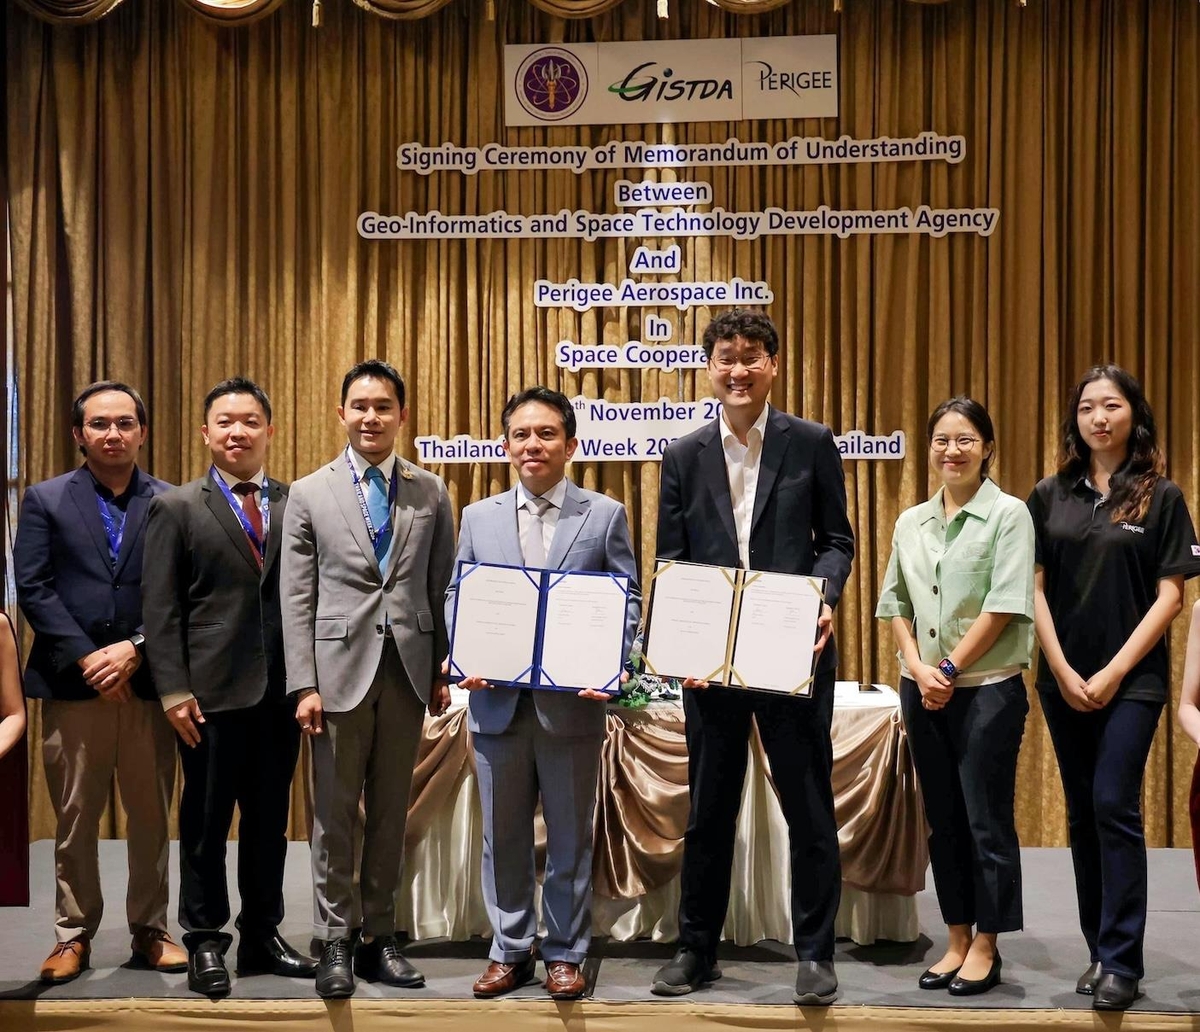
point(795, 736)
point(965, 755)
point(245, 757)
point(1102, 759)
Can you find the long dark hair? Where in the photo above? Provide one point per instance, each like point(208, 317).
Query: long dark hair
point(1132, 485)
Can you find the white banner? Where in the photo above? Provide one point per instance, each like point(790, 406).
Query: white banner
point(692, 80)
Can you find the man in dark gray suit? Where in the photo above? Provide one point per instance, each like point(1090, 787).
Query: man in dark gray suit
point(214, 636)
point(530, 744)
point(763, 490)
point(368, 549)
point(78, 564)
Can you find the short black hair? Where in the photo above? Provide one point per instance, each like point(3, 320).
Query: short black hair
point(237, 385)
point(555, 399)
point(975, 414)
point(100, 387)
point(378, 369)
point(742, 322)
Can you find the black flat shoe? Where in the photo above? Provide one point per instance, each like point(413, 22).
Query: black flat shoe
point(936, 979)
point(686, 972)
point(207, 974)
point(1114, 992)
point(816, 983)
point(960, 986)
point(1087, 981)
point(273, 956)
point(380, 960)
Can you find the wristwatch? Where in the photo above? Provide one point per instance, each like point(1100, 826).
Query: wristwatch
point(137, 640)
point(947, 667)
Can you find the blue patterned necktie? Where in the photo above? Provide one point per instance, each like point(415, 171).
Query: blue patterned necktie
point(377, 506)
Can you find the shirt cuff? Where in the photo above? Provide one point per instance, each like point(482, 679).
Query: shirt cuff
point(169, 702)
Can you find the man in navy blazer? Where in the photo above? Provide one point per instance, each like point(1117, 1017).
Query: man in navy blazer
point(763, 490)
point(540, 743)
point(78, 563)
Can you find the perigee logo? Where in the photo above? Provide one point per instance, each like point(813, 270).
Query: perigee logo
point(551, 83)
point(642, 83)
point(1132, 529)
point(770, 81)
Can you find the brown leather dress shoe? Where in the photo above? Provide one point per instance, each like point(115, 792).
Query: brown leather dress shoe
point(67, 960)
point(500, 978)
point(155, 949)
point(564, 980)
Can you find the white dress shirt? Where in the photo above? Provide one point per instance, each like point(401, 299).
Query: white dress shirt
point(387, 467)
point(555, 496)
point(741, 464)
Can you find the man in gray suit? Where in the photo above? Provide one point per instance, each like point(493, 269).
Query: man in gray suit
point(368, 543)
point(540, 743)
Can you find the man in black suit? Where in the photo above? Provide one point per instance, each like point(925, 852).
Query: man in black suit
point(78, 563)
point(215, 641)
point(763, 490)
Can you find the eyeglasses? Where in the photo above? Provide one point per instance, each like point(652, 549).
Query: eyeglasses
point(100, 425)
point(964, 442)
point(749, 360)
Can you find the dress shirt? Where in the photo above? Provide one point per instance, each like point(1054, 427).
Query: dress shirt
point(943, 574)
point(555, 496)
point(387, 467)
point(741, 464)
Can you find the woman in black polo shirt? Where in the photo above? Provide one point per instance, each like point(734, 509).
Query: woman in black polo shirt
point(1114, 543)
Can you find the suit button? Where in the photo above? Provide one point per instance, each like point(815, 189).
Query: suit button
point(379, 628)
point(935, 589)
point(932, 633)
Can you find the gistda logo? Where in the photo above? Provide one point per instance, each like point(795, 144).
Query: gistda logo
point(551, 83)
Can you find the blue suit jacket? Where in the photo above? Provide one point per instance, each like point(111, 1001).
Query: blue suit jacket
point(74, 597)
point(592, 533)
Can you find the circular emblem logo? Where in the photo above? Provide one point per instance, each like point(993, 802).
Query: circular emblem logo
point(551, 83)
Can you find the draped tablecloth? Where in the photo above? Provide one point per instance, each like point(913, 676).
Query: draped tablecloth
point(640, 817)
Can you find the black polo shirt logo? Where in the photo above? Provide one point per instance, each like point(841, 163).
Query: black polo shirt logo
point(1134, 529)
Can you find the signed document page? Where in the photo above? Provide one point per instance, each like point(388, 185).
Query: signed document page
point(691, 607)
point(495, 623)
point(583, 644)
point(776, 631)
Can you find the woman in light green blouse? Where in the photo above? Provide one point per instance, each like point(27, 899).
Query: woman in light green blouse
point(959, 593)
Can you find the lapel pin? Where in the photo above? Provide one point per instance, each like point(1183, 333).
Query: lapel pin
point(406, 473)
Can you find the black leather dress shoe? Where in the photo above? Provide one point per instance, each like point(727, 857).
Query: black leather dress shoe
point(1087, 981)
point(936, 979)
point(684, 973)
point(380, 961)
point(273, 956)
point(1114, 992)
point(816, 983)
point(207, 974)
point(335, 975)
point(960, 986)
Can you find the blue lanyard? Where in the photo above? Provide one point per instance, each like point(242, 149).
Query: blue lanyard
point(375, 535)
point(240, 513)
point(114, 526)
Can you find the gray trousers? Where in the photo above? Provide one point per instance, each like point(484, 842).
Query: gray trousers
point(514, 769)
point(366, 752)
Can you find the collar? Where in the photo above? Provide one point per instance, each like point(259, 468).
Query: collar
point(555, 496)
point(387, 467)
point(980, 504)
point(232, 481)
point(105, 492)
point(759, 426)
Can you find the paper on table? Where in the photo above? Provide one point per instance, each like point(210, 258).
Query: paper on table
point(777, 626)
point(495, 623)
point(688, 634)
point(584, 638)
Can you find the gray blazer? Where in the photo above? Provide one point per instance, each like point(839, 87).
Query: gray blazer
point(592, 533)
point(335, 600)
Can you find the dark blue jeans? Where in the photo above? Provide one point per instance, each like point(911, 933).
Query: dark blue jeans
point(1102, 760)
point(966, 760)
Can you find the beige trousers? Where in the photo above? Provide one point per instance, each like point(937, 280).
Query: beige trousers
point(84, 744)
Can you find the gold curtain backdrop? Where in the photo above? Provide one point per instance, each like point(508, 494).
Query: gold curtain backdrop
point(183, 204)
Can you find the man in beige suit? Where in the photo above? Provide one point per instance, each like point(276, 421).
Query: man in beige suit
point(368, 548)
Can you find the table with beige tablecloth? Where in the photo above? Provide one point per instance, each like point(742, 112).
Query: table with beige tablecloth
point(640, 817)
